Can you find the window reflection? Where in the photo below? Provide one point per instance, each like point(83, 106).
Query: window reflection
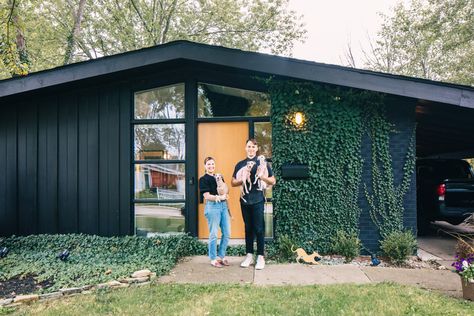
point(164, 141)
point(160, 181)
point(160, 103)
point(219, 101)
point(263, 135)
point(159, 218)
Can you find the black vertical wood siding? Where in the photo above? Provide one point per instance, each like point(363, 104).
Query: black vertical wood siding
point(65, 163)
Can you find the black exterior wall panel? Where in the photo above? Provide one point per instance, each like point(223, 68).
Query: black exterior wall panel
point(109, 139)
point(8, 169)
point(68, 164)
point(48, 165)
point(127, 221)
point(27, 169)
point(88, 180)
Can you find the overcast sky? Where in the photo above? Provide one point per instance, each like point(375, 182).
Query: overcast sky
point(331, 24)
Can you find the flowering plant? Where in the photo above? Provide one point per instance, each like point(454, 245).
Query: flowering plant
point(464, 263)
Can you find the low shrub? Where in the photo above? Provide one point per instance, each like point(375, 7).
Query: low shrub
point(398, 246)
point(281, 249)
point(91, 256)
point(346, 244)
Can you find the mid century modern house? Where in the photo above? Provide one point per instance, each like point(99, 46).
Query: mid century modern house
point(115, 146)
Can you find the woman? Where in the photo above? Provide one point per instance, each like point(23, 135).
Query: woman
point(216, 214)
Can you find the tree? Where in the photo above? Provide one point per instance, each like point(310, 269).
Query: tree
point(62, 31)
point(431, 39)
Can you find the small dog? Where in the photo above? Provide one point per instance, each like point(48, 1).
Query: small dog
point(222, 189)
point(261, 171)
point(301, 254)
point(244, 175)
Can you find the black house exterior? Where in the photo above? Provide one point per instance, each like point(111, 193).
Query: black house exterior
point(70, 162)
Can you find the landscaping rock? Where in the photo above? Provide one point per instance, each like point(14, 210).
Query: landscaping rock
point(26, 298)
point(128, 280)
point(72, 290)
point(152, 276)
point(87, 287)
point(141, 284)
point(50, 296)
point(141, 273)
point(102, 285)
point(116, 284)
point(6, 301)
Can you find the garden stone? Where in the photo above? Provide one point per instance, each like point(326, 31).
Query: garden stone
point(152, 276)
point(26, 298)
point(128, 280)
point(141, 284)
point(50, 296)
point(72, 290)
point(141, 273)
point(86, 287)
point(115, 284)
point(6, 301)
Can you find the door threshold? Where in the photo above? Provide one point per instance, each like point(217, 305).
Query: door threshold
point(232, 241)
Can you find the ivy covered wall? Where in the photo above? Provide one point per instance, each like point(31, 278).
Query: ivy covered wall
point(336, 143)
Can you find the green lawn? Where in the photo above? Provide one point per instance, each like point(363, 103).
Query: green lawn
point(157, 299)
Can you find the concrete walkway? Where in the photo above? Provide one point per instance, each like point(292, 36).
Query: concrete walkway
point(198, 270)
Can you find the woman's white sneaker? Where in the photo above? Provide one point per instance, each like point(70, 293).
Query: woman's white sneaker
point(248, 261)
point(260, 263)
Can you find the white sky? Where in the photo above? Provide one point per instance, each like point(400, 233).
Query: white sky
point(331, 24)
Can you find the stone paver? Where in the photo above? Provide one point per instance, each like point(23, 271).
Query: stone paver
point(199, 270)
point(299, 274)
point(444, 281)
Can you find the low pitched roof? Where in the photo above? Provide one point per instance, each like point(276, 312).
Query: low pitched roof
point(275, 65)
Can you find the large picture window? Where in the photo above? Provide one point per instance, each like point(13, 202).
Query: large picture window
point(221, 101)
point(159, 160)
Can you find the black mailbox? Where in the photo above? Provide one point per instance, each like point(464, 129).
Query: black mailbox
point(295, 171)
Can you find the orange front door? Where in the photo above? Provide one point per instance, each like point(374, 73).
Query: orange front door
point(225, 142)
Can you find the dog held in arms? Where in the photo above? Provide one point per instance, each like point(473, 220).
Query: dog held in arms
point(301, 254)
point(262, 170)
point(222, 189)
point(244, 175)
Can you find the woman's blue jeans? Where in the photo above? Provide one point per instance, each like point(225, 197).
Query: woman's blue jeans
point(217, 216)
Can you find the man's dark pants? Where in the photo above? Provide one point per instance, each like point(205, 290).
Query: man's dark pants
point(254, 226)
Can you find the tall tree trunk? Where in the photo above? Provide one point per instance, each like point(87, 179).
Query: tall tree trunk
point(72, 38)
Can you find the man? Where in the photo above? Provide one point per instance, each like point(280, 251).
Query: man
point(252, 206)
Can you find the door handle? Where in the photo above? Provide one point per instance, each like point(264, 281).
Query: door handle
point(191, 180)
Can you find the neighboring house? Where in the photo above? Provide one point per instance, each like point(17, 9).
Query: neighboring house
point(102, 146)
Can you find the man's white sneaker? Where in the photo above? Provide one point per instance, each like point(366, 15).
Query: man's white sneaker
point(248, 261)
point(260, 263)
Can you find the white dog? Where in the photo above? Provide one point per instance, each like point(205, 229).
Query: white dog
point(222, 189)
point(244, 175)
point(261, 171)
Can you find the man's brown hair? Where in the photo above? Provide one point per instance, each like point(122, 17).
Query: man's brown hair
point(253, 140)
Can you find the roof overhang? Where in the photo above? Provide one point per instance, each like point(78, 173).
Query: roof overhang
point(256, 62)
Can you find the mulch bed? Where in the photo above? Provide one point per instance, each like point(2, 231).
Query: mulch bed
point(21, 285)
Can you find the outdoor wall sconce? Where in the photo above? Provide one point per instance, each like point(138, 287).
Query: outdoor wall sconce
point(298, 119)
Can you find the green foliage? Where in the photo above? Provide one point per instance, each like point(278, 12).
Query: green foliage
point(90, 256)
point(431, 39)
point(111, 27)
point(347, 245)
point(282, 249)
point(310, 211)
point(398, 246)
point(386, 200)
point(224, 299)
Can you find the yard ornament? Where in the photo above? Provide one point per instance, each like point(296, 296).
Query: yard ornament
point(374, 260)
point(301, 254)
point(3, 252)
point(63, 255)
